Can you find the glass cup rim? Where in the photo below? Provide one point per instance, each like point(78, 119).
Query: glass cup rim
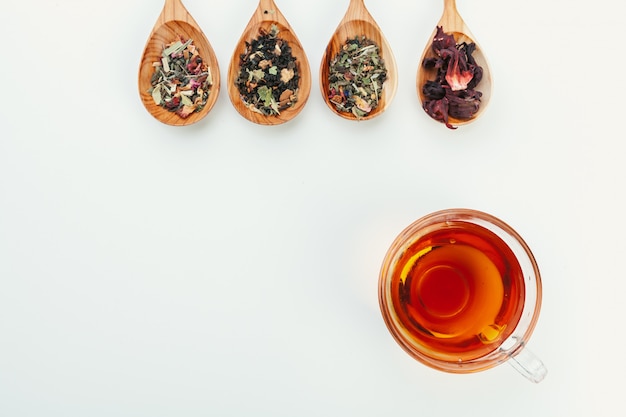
point(532, 280)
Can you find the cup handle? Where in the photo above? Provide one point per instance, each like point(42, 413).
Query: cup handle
point(529, 365)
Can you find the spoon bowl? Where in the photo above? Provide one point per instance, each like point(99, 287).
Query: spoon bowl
point(359, 22)
point(265, 16)
point(175, 23)
point(452, 24)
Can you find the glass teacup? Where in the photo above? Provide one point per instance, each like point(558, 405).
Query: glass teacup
point(460, 291)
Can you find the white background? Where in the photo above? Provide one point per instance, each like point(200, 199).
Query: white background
point(231, 269)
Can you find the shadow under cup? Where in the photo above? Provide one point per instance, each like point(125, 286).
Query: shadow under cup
point(460, 291)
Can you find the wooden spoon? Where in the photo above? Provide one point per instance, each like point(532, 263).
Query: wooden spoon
point(174, 23)
point(359, 22)
point(266, 15)
point(452, 23)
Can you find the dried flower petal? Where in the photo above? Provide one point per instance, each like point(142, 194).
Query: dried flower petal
point(442, 40)
point(362, 104)
point(433, 90)
point(452, 92)
point(438, 110)
point(458, 76)
point(463, 104)
point(186, 111)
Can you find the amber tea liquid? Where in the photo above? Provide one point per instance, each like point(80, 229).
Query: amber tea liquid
point(458, 290)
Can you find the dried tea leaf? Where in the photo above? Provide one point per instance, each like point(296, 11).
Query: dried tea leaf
point(166, 64)
point(170, 49)
point(176, 48)
point(265, 94)
point(185, 100)
point(356, 77)
point(156, 96)
point(268, 70)
point(181, 81)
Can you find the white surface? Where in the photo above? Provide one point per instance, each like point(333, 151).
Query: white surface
point(230, 269)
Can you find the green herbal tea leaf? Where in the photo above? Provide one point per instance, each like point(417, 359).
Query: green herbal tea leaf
point(156, 96)
point(265, 94)
point(181, 82)
point(186, 101)
point(176, 48)
point(256, 75)
point(356, 77)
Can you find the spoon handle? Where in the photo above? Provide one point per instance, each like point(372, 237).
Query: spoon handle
point(451, 20)
point(268, 11)
point(449, 5)
point(174, 10)
point(357, 10)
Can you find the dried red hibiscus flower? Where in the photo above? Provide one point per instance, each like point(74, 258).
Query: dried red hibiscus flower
point(452, 93)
